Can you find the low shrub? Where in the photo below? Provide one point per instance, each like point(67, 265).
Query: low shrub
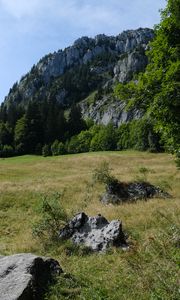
point(6, 151)
point(52, 217)
point(46, 151)
point(103, 175)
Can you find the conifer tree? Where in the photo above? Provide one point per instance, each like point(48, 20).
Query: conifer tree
point(75, 122)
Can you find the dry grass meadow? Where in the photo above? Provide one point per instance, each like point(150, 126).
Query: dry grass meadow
point(149, 270)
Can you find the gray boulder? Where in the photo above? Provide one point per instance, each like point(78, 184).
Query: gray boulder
point(118, 192)
point(96, 233)
point(24, 276)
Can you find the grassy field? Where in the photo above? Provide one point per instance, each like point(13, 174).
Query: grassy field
point(149, 270)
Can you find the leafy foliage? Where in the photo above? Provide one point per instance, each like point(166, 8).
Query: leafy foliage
point(20, 135)
point(103, 175)
point(52, 218)
point(105, 139)
point(157, 91)
point(55, 148)
point(46, 150)
point(6, 135)
point(39, 132)
point(6, 151)
point(139, 135)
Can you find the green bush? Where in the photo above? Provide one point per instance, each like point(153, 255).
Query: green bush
point(96, 143)
point(139, 131)
point(6, 151)
point(138, 135)
point(58, 148)
point(61, 148)
point(52, 218)
point(54, 148)
point(46, 150)
point(73, 145)
point(143, 174)
point(80, 143)
point(84, 140)
point(104, 139)
point(103, 174)
point(123, 135)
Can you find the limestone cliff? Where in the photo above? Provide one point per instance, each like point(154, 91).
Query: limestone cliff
point(88, 66)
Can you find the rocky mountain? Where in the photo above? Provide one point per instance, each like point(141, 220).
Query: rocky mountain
point(86, 73)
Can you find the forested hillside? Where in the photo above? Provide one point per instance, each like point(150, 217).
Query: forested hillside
point(106, 93)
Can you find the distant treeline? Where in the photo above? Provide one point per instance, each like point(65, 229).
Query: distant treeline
point(44, 128)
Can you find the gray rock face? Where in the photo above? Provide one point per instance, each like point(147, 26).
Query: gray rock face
point(86, 49)
point(37, 83)
point(95, 233)
point(53, 66)
point(133, 62)
point(105, 110)
point(24, 276)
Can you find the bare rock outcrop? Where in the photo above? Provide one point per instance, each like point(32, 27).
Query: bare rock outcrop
point(96, 233)
point(118, 192)
point(25, 276)
point(104, 59)
point(106, 110)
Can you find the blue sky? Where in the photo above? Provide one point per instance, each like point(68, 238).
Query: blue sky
point(30, 29)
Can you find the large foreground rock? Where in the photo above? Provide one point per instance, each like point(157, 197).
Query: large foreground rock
point(95, 233)
point(24, 276)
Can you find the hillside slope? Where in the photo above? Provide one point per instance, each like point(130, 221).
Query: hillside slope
point(89, 65)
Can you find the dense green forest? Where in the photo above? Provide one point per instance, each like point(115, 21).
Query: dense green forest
point(41, 130)
point(43, 127)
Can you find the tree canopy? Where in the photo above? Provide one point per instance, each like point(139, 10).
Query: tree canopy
point(157, 90)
